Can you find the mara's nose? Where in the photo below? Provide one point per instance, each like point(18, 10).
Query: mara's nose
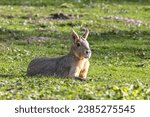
point(88, 51)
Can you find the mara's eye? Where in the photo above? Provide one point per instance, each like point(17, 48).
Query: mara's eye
point(78, 44)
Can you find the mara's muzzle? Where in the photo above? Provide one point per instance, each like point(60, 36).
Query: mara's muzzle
point(87, 53)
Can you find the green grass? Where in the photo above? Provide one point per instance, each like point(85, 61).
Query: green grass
point(120, 62)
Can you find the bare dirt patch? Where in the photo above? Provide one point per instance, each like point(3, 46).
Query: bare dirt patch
point(35, 38)
point(126, 20)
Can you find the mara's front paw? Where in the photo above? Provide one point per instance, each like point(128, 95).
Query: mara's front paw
point(81, 79)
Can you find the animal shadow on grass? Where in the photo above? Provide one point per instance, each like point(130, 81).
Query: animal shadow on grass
point(39, 76)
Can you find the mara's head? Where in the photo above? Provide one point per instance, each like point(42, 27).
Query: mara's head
point(80, 47)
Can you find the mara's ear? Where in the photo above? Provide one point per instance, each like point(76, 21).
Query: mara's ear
point(75, 36)
point(85, 35)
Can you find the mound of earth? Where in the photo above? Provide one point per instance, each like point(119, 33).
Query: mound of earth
point(62, 16)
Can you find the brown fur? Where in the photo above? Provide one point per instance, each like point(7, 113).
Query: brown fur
point(75, 64)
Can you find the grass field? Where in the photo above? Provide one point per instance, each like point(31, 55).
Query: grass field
point(119, 39)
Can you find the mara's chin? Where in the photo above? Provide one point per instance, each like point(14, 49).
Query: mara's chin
point(87, 57)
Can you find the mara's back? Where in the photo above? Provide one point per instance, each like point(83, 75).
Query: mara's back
point(58, 66)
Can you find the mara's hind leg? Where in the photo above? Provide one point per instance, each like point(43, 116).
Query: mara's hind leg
point(74, 72)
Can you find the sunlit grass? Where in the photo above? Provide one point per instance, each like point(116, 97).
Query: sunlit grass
point(120, 62)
